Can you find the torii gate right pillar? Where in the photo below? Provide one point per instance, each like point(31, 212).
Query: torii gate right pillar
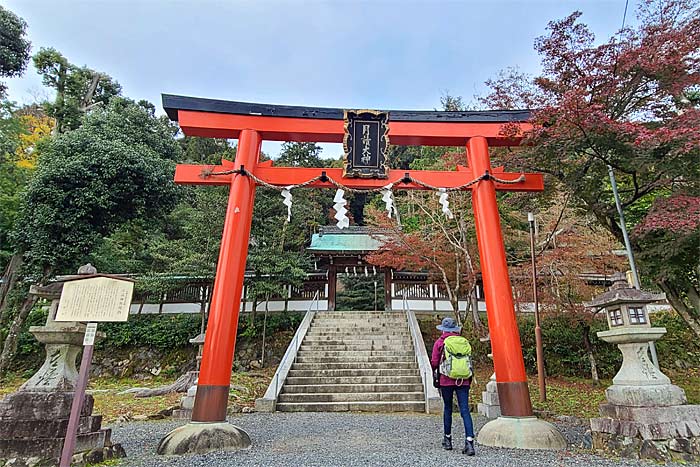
point(517, 427)
point(508, 361)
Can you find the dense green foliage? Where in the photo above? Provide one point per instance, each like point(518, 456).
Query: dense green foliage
point(166, 332)
point(162, 332)
point(115, 168)
point(358, 292)
point(564, 351)
point(300, 155)
point(275, 322)
point(14, 47)
point(29, 350)
point(13, 178)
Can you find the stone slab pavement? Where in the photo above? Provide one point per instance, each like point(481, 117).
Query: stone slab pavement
point(353, 439)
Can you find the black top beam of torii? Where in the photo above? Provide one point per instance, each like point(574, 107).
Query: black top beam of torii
point(172, 103)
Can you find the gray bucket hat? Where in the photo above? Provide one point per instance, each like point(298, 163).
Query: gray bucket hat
point(449, 325)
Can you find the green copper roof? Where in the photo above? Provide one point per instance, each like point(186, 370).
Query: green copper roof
point(343, 242)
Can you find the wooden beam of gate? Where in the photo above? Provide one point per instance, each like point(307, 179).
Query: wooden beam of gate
point(226, 119)
point(283, 176)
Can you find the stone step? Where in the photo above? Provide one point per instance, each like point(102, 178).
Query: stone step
point(383, 322)
point(355, 353)
point(349, 397)
point(313, 358)
point(353, 380)
point(353, 326)
point(361, 312)
point(343, 365)
point(355, 372)
point(335, 335)
point(315, 346)
point(372, 406)
point(326, 388)
point(354, 361)
point(354, 340)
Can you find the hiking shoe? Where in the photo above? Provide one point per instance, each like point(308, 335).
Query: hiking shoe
point(447, 443)
point(469, 448)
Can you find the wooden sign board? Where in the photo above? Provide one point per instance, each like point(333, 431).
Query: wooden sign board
point(366, 142)
point(95, 299)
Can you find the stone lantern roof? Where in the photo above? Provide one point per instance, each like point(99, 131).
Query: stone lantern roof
point(621, 292)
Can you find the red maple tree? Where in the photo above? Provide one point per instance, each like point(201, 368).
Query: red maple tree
point(630, 103)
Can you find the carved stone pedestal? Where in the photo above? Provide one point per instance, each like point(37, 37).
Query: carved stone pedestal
point(659, 433)
point(646, 416)
point(34, 419)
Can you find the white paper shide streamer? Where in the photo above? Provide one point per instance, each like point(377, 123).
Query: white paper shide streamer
point(388, 198)
point(287, 195)
point(340, 210)
point(445, 203)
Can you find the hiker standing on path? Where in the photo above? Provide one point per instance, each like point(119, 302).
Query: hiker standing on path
point(453, 364)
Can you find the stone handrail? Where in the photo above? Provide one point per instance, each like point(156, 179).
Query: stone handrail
point(268, 402)
point(433, 403)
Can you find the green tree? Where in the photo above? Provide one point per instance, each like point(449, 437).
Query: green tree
point(117, 167)
point(13, 179)
point(360, 293)
point(78, 89)
point(14, 47)
point(300, 155)
point(197, 150)
point(274, 271)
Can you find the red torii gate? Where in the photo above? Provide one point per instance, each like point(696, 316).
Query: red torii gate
point(253, 123)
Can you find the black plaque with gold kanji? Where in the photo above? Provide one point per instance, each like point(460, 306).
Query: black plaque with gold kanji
point(365, 143)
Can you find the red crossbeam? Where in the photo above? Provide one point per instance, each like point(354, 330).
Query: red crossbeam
point(283, 176)
point(221, 125)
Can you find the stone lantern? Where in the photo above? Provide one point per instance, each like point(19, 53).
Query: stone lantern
point(638, 382)
point(646, 416)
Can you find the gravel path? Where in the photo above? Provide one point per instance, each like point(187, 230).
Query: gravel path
point(350, 439)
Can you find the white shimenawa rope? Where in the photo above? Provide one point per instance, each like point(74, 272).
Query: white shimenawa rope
point(387, 191)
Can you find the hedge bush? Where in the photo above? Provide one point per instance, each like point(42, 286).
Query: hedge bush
point(162, 332)
point(564, 350)
point(565, 354)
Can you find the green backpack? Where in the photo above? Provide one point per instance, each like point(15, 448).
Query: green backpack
point(456, 360)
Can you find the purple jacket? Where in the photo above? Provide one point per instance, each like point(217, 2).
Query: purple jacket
point(438, 349)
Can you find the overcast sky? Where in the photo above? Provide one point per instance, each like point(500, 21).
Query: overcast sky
point(351, 54)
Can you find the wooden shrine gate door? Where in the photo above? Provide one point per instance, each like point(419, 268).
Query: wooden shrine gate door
point(253, 123)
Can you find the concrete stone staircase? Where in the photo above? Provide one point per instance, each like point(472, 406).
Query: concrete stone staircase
point(354, 361)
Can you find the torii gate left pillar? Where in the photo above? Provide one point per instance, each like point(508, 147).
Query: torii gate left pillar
point(518, 428)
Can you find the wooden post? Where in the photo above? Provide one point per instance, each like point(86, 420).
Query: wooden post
point(332, 278)
point(78, 396)
point(387, 289)
point(538, 330)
